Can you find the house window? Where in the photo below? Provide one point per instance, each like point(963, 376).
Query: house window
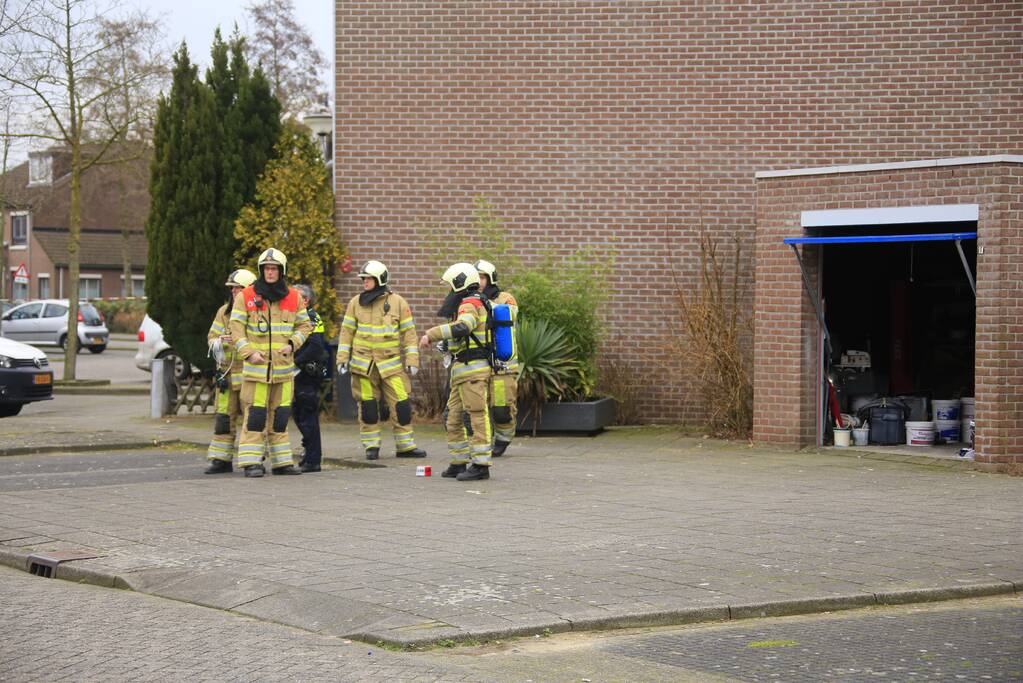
point(89, 286)
point(138, 286)
point(19, 229)
point(44, 286)
point(19, 291)
point(40, 169)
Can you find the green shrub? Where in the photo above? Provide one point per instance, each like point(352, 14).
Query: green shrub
point(122, 315)
point(568, 294)
point(546, 365)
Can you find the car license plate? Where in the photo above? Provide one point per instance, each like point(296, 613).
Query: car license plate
point(97, 340)
point(43, 379)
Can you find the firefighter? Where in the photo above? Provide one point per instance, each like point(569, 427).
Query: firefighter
point(268, 324)
point(229, 378)
point(376, 331)
point(311, 360)
point(466, 336)
point(505, 379)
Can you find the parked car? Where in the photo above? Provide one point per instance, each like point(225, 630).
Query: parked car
point(25, 376)
point(6, 305)
point(152, 345)
point(44, 322)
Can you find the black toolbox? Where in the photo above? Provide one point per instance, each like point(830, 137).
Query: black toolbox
point(887, 425)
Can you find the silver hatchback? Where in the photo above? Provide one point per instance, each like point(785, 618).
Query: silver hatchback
point(45, 323)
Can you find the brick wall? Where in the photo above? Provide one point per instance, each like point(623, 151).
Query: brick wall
point(631, 125)
point(787, 341)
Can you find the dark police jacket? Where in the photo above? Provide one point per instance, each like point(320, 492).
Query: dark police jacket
point(311, 358)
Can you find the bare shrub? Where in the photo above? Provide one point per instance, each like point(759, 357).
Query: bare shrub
point(712, 341)
point(619, 379)
point(431, 393)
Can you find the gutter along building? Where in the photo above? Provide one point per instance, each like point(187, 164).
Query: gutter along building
point(637, 126)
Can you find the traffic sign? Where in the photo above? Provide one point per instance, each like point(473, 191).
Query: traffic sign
point(21, 275)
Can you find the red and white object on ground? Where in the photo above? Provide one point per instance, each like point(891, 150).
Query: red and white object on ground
point(424, 471)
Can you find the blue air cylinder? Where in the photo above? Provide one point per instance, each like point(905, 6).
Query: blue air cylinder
point(502, 332)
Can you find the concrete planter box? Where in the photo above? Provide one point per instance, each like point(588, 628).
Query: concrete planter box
point(577, 417)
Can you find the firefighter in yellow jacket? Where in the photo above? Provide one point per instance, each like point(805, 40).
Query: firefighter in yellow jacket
point(504, 382)
point(229, 378)
point(376, 332)
point(268, 324)
point(466, 337)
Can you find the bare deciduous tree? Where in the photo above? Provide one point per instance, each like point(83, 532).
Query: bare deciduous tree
point(287, 54)
point(52, 56)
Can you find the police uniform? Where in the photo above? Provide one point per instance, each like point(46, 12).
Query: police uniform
point(470, 377)
point(310, 360)
point(268, 327)
point(221, 450)
point(376, 331)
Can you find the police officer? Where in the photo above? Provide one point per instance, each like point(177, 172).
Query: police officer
point(229, 378)
point(376, 331)
point(504, 382)
point(466, 335)
point(311, 361)
point(268, 324)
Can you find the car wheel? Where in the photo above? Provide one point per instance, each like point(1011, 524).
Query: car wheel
point(98, 349)
point(10, 409)
point(63, 344)
point(181, 369)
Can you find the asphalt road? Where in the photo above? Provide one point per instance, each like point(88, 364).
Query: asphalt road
point(57, 629)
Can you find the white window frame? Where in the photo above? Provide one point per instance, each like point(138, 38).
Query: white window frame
point(90, 277)
point(49, 285)
point(28, 230)
point(40, 169)
point(135, 280)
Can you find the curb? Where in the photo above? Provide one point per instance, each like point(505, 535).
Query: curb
point(102, 390)
point(673, 617)
point(85, 448)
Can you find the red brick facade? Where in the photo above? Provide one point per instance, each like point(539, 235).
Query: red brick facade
point(787, 339)
point(628, 125)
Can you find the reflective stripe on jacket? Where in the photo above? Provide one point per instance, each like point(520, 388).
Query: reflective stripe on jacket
point(372, 336)
point(221, 326)
point(473, 313)
point(267, 327)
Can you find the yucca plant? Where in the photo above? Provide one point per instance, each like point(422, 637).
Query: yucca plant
point(546, 365)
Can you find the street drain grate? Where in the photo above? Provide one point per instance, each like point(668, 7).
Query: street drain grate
point(45, 564)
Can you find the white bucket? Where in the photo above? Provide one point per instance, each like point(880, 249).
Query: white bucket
point(842, 437)
point(861, 435)
point(948, 430)
point(920, 433)
point(968, 407)
point(966, 430)
point(946, 409)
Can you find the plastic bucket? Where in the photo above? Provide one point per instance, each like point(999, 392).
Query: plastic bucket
point(967, 407)
point(946, 410)
point(966, 430)
point(861, 436)
point(948, 429)
point(920, 433)
point(842, 437)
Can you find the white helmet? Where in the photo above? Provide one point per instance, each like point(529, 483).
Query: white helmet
point(375, 270)
point(460, 276)
point(487, 268)
point(275, 256)
point(240, 278)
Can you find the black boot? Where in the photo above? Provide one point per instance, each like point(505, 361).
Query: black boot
point(373, 453)
point(309, 467)
point(499, 448)
point(287, 469)
point(219, 467)
point(254, 471)
point(474, 473)
point(453, 471)
point(414, 453)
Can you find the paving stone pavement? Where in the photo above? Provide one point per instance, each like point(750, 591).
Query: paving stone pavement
point(631, 527)
point(55, 630)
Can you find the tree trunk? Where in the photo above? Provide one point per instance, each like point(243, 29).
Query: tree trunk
point(74, 236)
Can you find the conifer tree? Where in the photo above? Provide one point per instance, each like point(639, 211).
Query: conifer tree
point(294, 211)
point(212, 142)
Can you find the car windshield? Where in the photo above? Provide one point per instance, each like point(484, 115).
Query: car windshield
point(90, 316)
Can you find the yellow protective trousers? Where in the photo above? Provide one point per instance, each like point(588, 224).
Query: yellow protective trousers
point(503, 405)
point(225, 422)
point(267, 413)
point(368, 391)
point(470, 396)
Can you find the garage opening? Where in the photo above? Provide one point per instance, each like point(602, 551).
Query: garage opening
point(897, 308)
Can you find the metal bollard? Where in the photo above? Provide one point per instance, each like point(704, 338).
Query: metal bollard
point(162, 390)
